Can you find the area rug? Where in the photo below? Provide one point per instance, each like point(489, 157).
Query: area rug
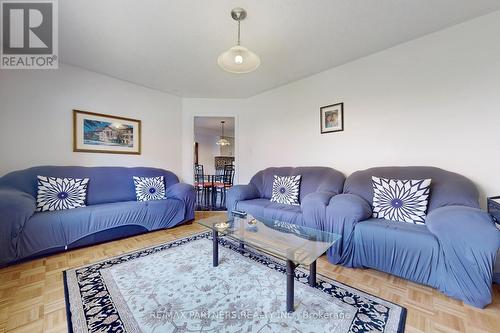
point(174, 288)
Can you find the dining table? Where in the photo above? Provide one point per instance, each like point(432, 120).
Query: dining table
point(211, 180)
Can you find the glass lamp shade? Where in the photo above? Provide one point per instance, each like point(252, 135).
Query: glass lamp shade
point(239, 60)
point(223, 142)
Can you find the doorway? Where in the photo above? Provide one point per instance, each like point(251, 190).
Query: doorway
point(214, 161)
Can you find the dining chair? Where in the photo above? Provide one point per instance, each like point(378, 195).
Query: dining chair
point(224, 182)
point(201, 185)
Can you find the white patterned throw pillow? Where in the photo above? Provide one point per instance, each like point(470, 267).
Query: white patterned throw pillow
point(60, 193)
point(401, 200)
point(149, 188)
point(286, 190)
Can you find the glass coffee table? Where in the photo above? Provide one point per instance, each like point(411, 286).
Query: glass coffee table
point(296, 244)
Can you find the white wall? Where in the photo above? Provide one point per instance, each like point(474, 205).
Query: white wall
point(207, 150)
point(432, 101)
point(36, 118)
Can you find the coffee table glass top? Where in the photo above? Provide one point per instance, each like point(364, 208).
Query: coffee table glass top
point(299, 244)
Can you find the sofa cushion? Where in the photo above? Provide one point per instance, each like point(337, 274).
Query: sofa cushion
point(60, 193)
point(407, 250)
point(284, 213)
point(253, 207)
point(264, 208)
point(48, 230)
point(149, 188)
point(400, 200)
point(286, 190)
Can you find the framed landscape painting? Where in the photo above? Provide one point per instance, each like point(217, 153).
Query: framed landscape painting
point(332, 118)
point(100, 133)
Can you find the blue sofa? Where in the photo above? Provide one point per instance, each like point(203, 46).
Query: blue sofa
point(112, 210)
point(318, 185)
point(454, 251)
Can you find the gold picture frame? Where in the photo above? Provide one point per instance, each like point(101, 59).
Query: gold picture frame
point(102, 133)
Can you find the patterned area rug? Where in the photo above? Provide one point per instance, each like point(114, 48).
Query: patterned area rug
point(174, 288)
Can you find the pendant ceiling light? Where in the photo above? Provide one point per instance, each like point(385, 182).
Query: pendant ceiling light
point(223, 141)
point(238, 59)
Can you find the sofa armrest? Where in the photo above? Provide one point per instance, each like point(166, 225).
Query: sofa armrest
point(185, 193)
point(472, 227)
point(350, 206)
point(313, 207)
point(317, 198)
point(469, 242)
point(240, 193)
point(463, 226)
point(16, 207)
point(343, 212)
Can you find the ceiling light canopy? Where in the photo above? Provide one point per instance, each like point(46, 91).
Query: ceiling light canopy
point(238, 59)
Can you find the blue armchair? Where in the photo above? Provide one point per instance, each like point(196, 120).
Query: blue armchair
point(318, 185)
point(454, 251)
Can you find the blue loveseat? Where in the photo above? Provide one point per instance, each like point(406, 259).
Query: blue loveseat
point(318, 185)
point(112, 210)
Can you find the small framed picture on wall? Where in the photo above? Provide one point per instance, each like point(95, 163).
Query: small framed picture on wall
point(332, 118)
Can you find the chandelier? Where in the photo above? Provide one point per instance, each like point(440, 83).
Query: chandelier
point(222, 141)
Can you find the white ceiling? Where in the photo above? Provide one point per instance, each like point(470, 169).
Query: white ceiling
point(173, 45)
point(212, 125)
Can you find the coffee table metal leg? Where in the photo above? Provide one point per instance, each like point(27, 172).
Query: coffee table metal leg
point(290, 279)
point(215, 242)
point(312, 274)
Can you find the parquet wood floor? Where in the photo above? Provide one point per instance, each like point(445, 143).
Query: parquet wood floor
point(32, 293)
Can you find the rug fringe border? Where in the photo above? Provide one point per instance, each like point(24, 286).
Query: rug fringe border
point(68, 306)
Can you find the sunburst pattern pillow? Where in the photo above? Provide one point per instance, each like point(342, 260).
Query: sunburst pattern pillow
point(149, 188)
point(401, 200)
point(60, 193)
point(286, 190)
